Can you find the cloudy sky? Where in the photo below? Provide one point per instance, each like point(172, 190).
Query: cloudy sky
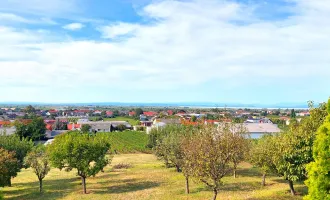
point(246, 51)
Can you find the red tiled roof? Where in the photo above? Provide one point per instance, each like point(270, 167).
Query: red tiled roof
point(109, 113)
point(149, 113)
point(49, 127)
point(70, 126)
point(131, 113)
point(5, 122)
point(170, 112)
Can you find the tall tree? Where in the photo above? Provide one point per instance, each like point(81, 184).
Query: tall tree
point(38, 160)
point(35, 130)
point(318, 171)
point(30, 109)
point(138, 112)
point(293, 114)
point(84, 152)
point(295, 146)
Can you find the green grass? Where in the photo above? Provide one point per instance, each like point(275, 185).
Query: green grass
point(129, 141)
point(148, 179)
point(132, 121)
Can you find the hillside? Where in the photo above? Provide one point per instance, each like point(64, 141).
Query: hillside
point(147, 179)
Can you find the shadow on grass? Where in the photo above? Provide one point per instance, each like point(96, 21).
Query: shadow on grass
point(52, 189)
point(234, 187)
point(128, 186)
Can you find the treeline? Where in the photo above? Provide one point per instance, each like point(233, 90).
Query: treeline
point(88, 154)
point(208, 153)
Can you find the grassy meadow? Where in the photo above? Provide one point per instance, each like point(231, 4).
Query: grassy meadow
point(146, 179)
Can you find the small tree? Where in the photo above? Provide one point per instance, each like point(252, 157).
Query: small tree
point(7, 163)
point(242, 144)
point(19, 148)
point(85, 128)
point(261, 155)
point(84, 152)
point(38, 160)
point(209, 152)
point(193, 118)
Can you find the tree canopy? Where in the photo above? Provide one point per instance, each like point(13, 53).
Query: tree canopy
point(38, 160)
point(84, 152)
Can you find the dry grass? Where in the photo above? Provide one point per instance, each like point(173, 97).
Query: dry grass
point(147, 179)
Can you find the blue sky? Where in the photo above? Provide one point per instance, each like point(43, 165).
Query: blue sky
point(243, 51)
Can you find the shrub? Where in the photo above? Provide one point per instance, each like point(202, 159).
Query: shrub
point(122, 166)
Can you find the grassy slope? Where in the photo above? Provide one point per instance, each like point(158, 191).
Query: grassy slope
point(127, 119)
point(148, 179)
point(129, 141)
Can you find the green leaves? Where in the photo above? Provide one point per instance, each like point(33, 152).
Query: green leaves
point(38, 160)
point(318, 171)
point(84, 152)
point(35, 130)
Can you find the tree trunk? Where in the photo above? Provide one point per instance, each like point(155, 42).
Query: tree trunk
point(263, 179)
point(178, 168)
point(9, 182)
point(84, 184)
point(40, 185)
point(292, 188)
point(187, 185)
point(215, 194)
point(235, 173)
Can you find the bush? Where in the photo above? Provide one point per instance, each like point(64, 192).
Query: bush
point(121, 127)
point(122, 166)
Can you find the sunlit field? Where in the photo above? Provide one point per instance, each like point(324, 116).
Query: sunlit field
point(146, 179)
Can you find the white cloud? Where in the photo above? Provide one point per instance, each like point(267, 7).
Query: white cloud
point(185, 44)
point(120, 29)
point(74, 26)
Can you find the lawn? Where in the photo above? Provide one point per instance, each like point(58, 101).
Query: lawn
point(147, 179)
point(132, 121)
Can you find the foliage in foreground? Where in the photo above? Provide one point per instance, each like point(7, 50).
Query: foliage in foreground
point(19, 148)
point(84, 152)
point(318, 171)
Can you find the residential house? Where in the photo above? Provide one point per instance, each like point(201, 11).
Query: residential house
point(303, 114)
point(131, 113)
point(257, 130)
point(150, 113)
point(109, 113)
